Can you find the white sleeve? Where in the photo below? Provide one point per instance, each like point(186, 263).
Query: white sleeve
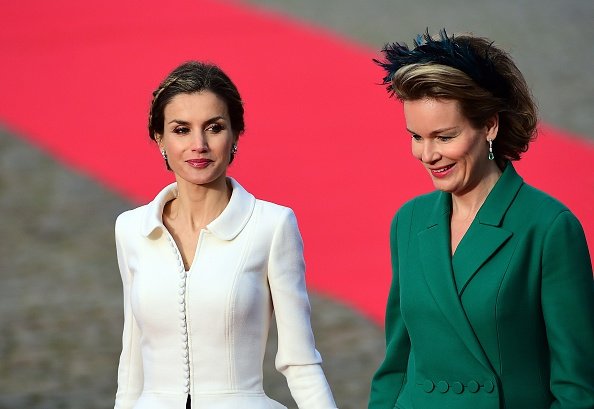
point(297, 358)
point(130, 373)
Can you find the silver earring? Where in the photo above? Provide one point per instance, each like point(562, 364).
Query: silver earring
point(491, 155)
point(234, 149)
point(164, 154)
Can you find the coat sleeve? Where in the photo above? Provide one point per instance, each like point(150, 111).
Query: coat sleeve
point(388, 381)
point(130, 374)
point(297, 358)
point(568, 310)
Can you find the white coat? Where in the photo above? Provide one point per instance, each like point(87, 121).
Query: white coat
point(203, 332)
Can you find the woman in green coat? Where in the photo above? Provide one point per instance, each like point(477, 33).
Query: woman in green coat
point(492, 298)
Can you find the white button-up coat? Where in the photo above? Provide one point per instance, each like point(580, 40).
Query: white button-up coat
point(203, 332)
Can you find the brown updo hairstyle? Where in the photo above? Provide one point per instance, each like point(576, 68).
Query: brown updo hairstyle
point(191, 77)
point(514, 104)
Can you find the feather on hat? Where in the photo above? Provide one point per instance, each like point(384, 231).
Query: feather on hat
point(445, 50)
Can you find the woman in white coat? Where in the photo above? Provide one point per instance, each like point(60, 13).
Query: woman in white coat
point(203, 266)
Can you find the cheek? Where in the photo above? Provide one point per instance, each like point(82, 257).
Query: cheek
point(416, 149)
point(174, 149)
point(225, 144)
point(476, 153)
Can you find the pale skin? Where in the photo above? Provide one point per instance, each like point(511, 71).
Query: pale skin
point(454, 153)
point(198, 139)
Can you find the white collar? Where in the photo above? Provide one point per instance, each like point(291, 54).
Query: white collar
point(226, 226)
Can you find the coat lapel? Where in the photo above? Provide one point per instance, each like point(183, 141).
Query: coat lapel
point(484, 239)
point(485, 236)
point(434, 248)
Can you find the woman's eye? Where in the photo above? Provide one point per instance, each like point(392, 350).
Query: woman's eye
point(416, 137)
point(445, 138)
point(181, 130)
point(215, 128)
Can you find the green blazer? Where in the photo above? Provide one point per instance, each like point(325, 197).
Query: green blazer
point(506, 322)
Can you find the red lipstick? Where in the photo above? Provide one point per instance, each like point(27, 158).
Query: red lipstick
point(199, 163)
point(442, 172)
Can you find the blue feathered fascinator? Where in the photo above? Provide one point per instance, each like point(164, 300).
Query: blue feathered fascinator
point(445, 50)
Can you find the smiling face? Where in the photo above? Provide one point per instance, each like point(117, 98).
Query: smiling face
point(197, 137)
point(451, 149)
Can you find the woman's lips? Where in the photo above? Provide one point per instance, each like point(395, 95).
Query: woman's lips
point(442, 172)
point(199, 163)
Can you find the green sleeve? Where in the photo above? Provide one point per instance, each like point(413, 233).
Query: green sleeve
point(568, 310)
point(390, 378)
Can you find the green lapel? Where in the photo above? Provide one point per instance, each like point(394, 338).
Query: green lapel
point(435, 253)
point(434, 248)
point(485, 236)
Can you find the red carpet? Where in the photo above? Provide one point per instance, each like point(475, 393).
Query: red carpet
point(321, 136)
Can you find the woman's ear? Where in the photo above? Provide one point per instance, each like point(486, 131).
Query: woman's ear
point(159, 140)
point(492, 127)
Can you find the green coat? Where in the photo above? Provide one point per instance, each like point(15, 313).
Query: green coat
point(507, 322)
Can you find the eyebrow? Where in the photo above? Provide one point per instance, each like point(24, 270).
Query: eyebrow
point(214, 119)
point(437, 131)
point(178, 121)
point(208, 121)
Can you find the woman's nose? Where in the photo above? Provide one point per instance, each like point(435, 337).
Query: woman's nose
point(200, 143)
point(429, 154)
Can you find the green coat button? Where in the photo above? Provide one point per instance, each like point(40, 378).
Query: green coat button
point(473, 386)
point(457, 387)
point(443, 386)
point(428, 386)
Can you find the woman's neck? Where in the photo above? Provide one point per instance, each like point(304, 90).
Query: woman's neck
point(198, 205)
point(465, 206)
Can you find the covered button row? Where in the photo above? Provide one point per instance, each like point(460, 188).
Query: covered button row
point(457, 387)
point(180, 263)
point(182, 316)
